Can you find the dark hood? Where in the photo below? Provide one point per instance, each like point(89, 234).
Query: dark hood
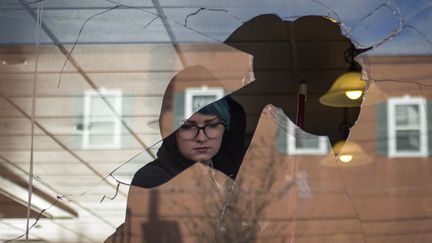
point(229, 157)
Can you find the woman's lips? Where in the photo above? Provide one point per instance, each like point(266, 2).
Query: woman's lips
point(201, 149)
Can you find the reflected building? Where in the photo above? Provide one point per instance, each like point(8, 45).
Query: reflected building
point(99, 85)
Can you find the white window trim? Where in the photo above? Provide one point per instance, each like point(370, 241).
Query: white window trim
point(190, 93)
point(391, 125)
point(88, 120)
point(291, 142)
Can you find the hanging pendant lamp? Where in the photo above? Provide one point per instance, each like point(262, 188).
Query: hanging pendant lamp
point(346, 91)
point(347, 154)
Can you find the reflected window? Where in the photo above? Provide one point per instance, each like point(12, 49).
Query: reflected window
point(302, 143)
point(294, 141)
point(407, 133)
point(195, 98)
point(101, 124)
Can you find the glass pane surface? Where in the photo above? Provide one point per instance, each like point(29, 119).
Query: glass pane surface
point(307, 143)
point(92, 94)
point(408, 140)
point(407, 115)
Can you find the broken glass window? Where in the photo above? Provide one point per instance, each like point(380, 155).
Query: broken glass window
point(84, 105)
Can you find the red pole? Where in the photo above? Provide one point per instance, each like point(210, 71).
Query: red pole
point(292, 201)
point(301, 104)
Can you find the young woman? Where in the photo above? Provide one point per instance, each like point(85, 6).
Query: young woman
point(214, 135)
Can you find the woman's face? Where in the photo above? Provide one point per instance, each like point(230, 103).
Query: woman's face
point(200, 137)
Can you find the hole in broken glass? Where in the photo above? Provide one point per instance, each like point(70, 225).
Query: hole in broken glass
point(170, 161)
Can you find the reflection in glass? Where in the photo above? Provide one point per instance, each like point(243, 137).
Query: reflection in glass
point(307, 143)
point(407, 115)
point(408, 140)
point(201, 101)
point(198, 97)
point(407, 126)
point(138, 48)
point(101, 127)
point(302, 143)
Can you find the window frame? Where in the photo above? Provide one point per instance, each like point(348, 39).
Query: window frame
point(392, 127)
point(89, 120)
point(190, 93)
point(322, 148)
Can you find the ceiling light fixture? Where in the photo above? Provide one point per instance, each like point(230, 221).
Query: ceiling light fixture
point(345, 91)
point(354, 94)
point(346, 158)
point(348, 88)
point(347, 154)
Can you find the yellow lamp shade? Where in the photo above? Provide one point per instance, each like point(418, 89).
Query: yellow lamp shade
point(346, 91)
point(347, 154)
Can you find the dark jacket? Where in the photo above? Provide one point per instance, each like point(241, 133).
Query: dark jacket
point(170, 162)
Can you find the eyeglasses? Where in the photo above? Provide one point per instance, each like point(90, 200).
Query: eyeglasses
point(211, 130)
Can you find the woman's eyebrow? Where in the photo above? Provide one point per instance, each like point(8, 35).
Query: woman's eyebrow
point(212, 119)
point(205, 121)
